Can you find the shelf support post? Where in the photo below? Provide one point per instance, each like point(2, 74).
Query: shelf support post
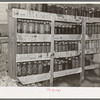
point(52, 53)
point(83, 50)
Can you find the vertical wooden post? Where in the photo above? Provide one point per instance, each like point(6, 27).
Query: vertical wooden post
point(9, 44)
point(12, 45)
point(83, 50)
point(52, 54)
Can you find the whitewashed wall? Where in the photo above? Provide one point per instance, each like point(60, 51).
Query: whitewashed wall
point(3, 13)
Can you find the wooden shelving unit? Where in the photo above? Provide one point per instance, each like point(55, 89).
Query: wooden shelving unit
point(15, 37)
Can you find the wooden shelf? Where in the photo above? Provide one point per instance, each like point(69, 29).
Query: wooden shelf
point(46, 76)
point(32, 57)
point(94, 66)
point(44, 56)
point(67, 37)
point(33, 37)
point(45, 37)
point(66, 54)
point(92, 51)
point(34, 78)
point(93, 37)
point(52, 18)
point(20, 13)
point(67, 72)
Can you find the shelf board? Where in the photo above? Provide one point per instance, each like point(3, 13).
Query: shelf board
point(94, 66)
point(67, 37)
point(66, 54)
point(46, 76)
point(20, 13)
point(41, 77)
point(26, 14)
point(44, 56)
point(45, 37)
point(34, 78)
point(32, 57)
point(67, 72)
point(93, 37)
point(33, 37)
point(92, 51)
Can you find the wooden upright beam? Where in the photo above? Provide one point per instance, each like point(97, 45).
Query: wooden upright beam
point(12, 25)
point(9, 44)
point(83, 50)
point(52, 54)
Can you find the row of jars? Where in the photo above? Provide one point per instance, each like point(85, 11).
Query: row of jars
point(68, 29)
point(66, 46)
point(88, 59)
point(59, 46)
point(33, 26)
point(39, 67)
point(92, 44)
point(36, 67)
point(24, 48)
point(59, 9)
point(44, 27)
point(92, 28)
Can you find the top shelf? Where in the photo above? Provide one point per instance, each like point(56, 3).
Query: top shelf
point(26, 14)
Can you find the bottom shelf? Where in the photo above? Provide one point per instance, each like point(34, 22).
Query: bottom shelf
point(94, 66)
point(42, 77)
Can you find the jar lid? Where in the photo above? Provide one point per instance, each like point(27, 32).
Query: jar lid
point(18, 44)
point(29, 62)
point(23, 44)
point(24, 63)
point(18, 63)
point(39, 61)
point(28, 44)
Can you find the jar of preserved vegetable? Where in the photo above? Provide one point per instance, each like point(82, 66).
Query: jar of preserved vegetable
point(24, 69)
point(40, 67)
point(60, 67)
point(29, 68)
point(37, 28)
point(35, 67)
point(29, 49)
point(47, 28)
point(19, 26)
point(42, 27)
point(19, 69)
point(19, 48)
point(25, 26)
